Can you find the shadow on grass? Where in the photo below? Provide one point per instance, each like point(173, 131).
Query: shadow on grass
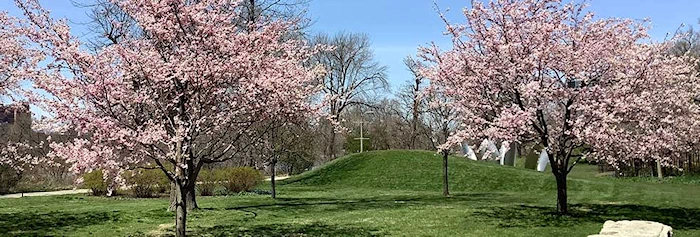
point(527, 216)
point(286, 229)
point(376, 203)
point(43, 224)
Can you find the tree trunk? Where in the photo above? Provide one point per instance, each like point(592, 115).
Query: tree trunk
point(416, 112)
point(562, 204)
point(190, 197)
point(659, 171)
point(414, 128)
point(331, 145)
point(189, 189)
point(181, 211)
point(272, 177)
point(445, 188)
point(173, 196)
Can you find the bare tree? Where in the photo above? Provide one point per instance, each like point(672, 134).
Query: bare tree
point(262, 11)
point(353, 75)
point(414, 104)
point(284, 137)
point(387, 124)
point(254, 13)
point(102, 15)
point(687, 41)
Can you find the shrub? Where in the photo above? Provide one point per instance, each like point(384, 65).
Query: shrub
point(207, 182)
point(145, 183)
point(162, 181)
point(9, 179)
point(163, 188)
point(220, 192)
point(239, 179)
point(95, 182)
point(143, 191)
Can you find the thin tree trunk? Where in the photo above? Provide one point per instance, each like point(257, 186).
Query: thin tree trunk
point(659, 171)
point(562, 203)
point(414, 127)
point(173, 197)
point(445, 187)
point(331, 146)
point(272, 177)
point(290, 170)
point(416, 112)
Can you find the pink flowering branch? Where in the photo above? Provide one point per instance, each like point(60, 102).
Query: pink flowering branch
point(190, 90)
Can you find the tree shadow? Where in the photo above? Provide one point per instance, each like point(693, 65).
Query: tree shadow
point(539, 216)
point(287, 229)
point(294, 206)
point(43, 224)
point(374, 203)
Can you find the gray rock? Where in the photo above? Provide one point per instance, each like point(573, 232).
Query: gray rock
point(634, 229)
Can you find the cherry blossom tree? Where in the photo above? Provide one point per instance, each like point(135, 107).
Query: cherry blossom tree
point(657, 122)
point(253, 15)
point(16, 147)
point(20, 146)
point(548, 72)
point(14, 55)
point(17, 143)
point(187, 93)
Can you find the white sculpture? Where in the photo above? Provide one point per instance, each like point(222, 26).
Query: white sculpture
point(468, 152)
point(489, 151)
point(543, 161)
point(505, 146)
point(510, 155)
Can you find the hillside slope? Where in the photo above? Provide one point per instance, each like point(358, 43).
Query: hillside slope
point(422, 170)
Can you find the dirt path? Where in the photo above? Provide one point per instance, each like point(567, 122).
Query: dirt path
point(277, 178)
point(39, 194)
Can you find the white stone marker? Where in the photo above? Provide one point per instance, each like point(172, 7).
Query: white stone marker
point(488, 150)
point(468, 152)
point(634, 229)
point(502, 152)
point(543, 161)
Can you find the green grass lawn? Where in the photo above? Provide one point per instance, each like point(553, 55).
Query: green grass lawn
point(384, 193)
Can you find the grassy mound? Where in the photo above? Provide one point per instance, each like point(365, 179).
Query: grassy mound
point(422, 170)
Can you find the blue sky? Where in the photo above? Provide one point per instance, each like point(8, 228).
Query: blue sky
point(398, 27)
